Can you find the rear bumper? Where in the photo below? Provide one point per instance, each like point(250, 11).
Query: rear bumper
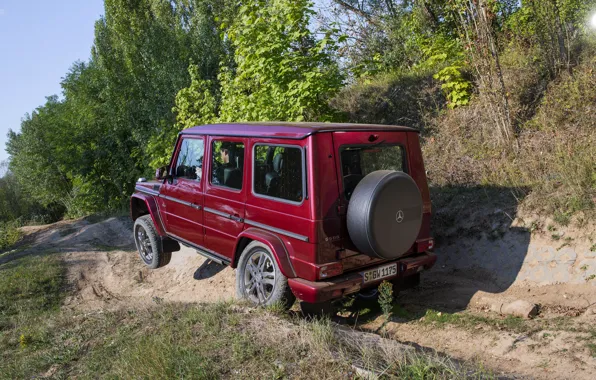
point(337, 287)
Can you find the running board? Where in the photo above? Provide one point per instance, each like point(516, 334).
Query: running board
point(202, 251)
point(211, 256)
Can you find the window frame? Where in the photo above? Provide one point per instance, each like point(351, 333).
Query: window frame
point(341, 149)
point(174, 163)
point(230, 139)
point(281, 200)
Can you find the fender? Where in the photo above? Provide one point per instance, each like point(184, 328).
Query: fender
point(275, 244)
point(142, 204)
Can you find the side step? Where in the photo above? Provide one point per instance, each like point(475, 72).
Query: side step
point(202, 251)
point(212, 257)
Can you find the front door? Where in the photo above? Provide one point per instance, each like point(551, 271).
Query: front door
point(225, 194)
point(181, 197)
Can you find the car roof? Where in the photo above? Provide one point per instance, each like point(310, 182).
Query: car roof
point(274, 129)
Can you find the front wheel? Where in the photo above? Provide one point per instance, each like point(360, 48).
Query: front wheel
point(148, 243)
point(259, 280)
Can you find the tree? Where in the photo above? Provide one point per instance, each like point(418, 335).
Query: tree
point(280, 70)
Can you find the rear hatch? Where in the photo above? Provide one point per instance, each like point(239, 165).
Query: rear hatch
point(361, 153)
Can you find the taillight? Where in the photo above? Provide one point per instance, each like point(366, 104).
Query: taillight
point(425, 245)
point(330, 270)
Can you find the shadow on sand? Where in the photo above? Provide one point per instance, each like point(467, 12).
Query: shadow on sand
point(478, 249)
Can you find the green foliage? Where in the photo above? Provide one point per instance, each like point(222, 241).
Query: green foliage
point(456, 87)
point(85, 151)
point(9, 235)
point(386, 298)
point(280, 71)
point(195, 105)
point(160, 66)
point(18, 208)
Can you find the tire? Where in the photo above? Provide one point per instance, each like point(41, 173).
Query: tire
point(149, 244)
point(385, 214)
point(369, 294)
point(259, 280)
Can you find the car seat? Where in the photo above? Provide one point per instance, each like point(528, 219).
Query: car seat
point(272, 178)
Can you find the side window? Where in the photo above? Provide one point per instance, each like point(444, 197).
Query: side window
point(227, 167)
point(190, 159)
point(278, 172)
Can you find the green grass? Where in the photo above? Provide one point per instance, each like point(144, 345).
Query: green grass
point(592, 348)
point(466, 320)
point(170, 340)
point(31, 291)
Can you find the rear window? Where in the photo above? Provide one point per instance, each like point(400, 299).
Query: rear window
point(359, 161)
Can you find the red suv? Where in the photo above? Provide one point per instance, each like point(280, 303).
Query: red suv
point(309, 210)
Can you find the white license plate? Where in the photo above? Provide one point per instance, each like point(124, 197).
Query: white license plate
point(379, 273)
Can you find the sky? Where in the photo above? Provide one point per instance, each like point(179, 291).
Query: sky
point(39, 41)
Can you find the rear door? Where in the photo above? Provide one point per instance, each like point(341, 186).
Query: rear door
point(357, 155)
point(225, 194)
point(181, 197)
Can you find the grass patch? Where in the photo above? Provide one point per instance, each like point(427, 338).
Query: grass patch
point(592, 348)
point(30, 287)
point(169, 340)
point(509, 323)
point(205, 342)
point(31, 291)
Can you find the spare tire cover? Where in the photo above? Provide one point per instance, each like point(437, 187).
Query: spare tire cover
point(385, 214)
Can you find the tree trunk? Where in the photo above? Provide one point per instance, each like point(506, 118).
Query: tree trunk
point(507, 128)
point(563, 56)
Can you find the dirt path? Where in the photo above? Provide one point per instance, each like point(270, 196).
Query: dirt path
point(104, 270)
point(560, 343)
point(447, 313)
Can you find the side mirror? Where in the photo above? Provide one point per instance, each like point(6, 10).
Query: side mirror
point(161, 173)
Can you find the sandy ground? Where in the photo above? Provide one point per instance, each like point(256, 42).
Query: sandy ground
point(105, 272)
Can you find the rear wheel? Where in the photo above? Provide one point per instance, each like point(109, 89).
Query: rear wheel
point(149, 244)
point(259, 280)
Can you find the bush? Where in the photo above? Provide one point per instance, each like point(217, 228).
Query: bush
point(9, 235)
point(399, 99)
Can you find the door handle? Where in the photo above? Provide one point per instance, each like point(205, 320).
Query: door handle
point(236, 218)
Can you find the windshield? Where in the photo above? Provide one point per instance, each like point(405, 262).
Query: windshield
point(359, 161)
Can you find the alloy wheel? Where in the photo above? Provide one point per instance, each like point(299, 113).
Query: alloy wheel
point(259, 277)
point(144, 244)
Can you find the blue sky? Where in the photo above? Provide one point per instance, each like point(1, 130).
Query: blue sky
point(39, 41)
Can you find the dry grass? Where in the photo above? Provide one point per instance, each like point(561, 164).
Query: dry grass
point(38, 338)
point(553, 157)
point(556, 158)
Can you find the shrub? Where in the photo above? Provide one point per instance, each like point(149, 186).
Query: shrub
point(9, 235)
point(386, 297)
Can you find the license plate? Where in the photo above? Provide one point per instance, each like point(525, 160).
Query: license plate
point(379, 273)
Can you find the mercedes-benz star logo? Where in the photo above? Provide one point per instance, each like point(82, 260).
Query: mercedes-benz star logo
point(399, 217)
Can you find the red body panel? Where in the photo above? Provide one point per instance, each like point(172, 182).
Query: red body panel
point(309, 239)
point(337, 287)
point(150, 205)
point(275, 244)
point(183, 220)
point(222, 232)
